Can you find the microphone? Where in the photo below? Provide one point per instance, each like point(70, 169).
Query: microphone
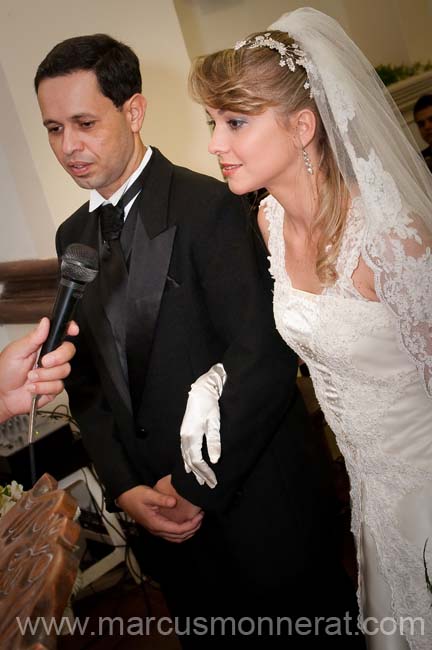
point(79, 267)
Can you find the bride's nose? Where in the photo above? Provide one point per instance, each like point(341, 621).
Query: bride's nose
point(216, 144)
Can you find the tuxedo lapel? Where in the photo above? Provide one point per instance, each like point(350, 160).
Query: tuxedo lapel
point(155, 196)
point(150, 259)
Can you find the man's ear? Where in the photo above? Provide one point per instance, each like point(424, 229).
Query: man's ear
point(135, 109)
point(305, 123)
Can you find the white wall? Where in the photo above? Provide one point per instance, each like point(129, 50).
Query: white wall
point(27, 230)
point(388, 31)
point(210, 25)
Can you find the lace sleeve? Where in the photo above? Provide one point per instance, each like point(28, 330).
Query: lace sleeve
point(402, 263)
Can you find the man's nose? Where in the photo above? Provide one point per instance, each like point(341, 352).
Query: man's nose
point(71, 141)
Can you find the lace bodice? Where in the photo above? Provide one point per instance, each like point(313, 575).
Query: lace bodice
point(374, 400)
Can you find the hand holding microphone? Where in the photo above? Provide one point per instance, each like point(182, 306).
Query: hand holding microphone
point(18, 380)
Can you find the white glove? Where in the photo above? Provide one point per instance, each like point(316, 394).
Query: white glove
point(202, 418)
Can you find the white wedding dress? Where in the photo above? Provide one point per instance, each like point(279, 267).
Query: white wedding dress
point(377, 405)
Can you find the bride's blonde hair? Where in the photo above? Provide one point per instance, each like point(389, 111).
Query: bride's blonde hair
point(250, 80)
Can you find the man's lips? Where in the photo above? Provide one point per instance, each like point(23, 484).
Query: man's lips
point(79, 168)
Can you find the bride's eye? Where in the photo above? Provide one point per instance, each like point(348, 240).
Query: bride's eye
point(235, 123)
point(211, 124)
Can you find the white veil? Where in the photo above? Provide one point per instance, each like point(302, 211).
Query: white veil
point(380, 162)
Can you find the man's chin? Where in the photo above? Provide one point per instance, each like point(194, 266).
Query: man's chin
point(84, 183)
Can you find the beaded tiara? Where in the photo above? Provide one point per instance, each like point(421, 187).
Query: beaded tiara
point(290, 55)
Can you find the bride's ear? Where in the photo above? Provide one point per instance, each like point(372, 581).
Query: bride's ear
point(305, 126)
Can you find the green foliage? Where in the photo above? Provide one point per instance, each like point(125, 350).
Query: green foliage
point(9, 495)
point(389, 74)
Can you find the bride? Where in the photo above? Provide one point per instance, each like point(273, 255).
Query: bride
point(298, 110)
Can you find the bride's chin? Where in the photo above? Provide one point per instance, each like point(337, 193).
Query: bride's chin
point(237, 188)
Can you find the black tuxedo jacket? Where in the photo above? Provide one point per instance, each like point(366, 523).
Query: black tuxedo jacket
point(197, 295)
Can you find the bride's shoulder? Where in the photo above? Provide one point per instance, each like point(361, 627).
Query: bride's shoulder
point(264, 217)
point(268, 202)
point(267, 215)
point(269, 209)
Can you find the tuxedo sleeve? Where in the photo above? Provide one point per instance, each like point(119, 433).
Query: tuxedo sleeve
point(261, 369)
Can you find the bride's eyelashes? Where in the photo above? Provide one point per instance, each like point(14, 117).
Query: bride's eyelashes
point(234, 123)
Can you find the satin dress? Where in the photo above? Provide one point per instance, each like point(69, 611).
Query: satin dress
point(374, 400)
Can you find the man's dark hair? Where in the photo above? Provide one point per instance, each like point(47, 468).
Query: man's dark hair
point(423, 102)
point(115, 65)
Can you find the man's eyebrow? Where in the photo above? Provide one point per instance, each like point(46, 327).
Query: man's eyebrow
point(74, 118)
point(49, 121)
point(81, 116)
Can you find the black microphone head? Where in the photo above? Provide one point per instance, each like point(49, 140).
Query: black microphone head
point(80, 263)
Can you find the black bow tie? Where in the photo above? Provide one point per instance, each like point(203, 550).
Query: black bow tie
point(112, 216)
point(112, 220)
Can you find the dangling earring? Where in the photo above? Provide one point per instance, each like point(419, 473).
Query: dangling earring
point(307, 162)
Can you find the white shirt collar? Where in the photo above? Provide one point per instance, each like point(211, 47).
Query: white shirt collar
point(97, 199)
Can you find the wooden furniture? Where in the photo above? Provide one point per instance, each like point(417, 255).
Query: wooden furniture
point(27, 290)
point(38, 565)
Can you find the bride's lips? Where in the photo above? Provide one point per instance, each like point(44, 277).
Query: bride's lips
point(229, 168)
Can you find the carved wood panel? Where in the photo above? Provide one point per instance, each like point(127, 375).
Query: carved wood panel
point(38, 564)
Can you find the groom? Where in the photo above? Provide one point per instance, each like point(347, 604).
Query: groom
point(180, 288)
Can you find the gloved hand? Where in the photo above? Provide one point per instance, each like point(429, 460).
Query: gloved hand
point(202, 418)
